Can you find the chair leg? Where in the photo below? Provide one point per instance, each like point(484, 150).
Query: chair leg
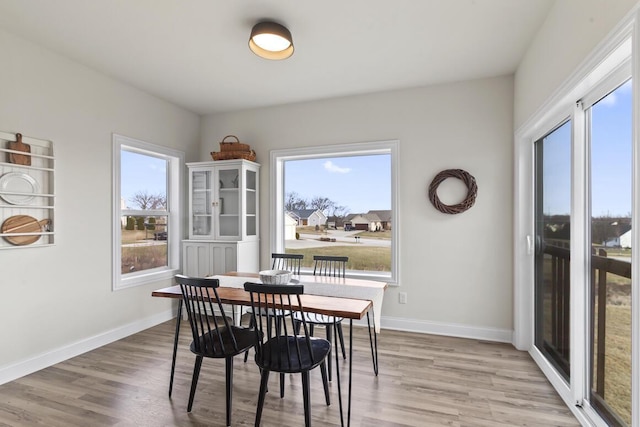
point(325, 382)
point(307, 398)
point(194, 381)
point(229, 386)
point(264, 380)
point(251, 325)
point(341, 337)
point(330, 339)
point(281, 386)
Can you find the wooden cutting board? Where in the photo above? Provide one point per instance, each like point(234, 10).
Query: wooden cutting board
point(22, 224)
point(18, 145)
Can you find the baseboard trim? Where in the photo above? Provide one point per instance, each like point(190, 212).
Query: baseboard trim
point(36, 363)
point(44, 360)
point(448, 329)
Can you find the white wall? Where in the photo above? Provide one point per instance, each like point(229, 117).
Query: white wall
point(571, 31)
point(59, 296)
point(456, 269)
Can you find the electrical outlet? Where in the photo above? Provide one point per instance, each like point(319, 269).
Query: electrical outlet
point(402, 297)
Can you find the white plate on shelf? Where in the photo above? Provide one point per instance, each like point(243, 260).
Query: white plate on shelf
point(16, 182)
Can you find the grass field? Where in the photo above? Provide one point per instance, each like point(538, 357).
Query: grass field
point(382, 235)
point(138, 258)
point(361, 257)
point(366, 258)
point(617, 383)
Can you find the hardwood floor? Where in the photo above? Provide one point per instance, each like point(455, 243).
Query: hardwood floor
point(424, 380)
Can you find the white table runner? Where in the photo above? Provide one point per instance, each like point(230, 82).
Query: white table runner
point(313, 286)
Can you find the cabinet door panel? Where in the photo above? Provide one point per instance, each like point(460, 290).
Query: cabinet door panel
point(196, 260)
point(223, 258)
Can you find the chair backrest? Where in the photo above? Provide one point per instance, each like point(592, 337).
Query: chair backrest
point(325, 265)
point(289, 262)
point(213, 336)
point(278, 347)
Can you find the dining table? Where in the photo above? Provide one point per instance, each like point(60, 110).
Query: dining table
point(340, 298)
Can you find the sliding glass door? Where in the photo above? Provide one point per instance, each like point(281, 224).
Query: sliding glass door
point(582, 249)
point(552, 246)
point(609, 131)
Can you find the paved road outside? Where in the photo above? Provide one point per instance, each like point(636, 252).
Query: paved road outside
point(342, 237)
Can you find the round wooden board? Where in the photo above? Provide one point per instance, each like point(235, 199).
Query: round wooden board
point(22, 224)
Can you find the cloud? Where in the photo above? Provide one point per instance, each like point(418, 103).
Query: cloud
point(330, 167)
point(155, 167)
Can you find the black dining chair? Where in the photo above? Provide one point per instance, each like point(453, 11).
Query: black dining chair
point(281, 349)
point(334, 266)
point(289, 262)
point(213, 336)
point(328, 265)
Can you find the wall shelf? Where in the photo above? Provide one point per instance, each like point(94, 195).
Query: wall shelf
point(27, 190)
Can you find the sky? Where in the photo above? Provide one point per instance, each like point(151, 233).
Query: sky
point(141, 173)
point(611, 163)
point(360, 183)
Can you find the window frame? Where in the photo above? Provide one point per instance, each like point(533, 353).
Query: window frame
point(175, 171)
point(277, 196)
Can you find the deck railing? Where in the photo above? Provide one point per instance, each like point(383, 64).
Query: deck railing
point(558, 347)
point(559, 309)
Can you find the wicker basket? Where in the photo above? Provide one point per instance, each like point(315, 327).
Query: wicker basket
point(228, 155)
point(233, 146)
point(233, 150)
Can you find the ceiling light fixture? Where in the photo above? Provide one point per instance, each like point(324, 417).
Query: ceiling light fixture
point(271, 41)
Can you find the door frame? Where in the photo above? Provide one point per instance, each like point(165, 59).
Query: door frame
point(610, 54)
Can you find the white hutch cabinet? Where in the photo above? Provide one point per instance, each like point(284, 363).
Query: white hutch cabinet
point(223, 218)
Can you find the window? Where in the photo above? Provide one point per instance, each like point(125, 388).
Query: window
point(146, 204)
point(338, 200)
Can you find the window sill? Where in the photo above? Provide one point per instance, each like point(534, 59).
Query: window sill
point(145, 278)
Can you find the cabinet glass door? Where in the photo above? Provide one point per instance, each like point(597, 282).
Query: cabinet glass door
point(251, 202)
point(228, 203)
point(201, 195)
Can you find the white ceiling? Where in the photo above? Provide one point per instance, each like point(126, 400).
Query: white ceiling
point(194, 53)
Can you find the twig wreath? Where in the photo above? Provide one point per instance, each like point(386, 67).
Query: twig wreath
point(469, 181)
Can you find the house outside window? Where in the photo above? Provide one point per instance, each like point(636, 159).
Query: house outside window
point(146, 200)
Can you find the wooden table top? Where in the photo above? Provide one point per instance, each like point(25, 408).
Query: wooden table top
point(330, 306)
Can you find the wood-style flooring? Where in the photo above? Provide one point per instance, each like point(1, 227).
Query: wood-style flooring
point(424, 380)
